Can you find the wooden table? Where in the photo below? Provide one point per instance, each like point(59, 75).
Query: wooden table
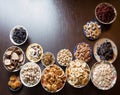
point(55, 24)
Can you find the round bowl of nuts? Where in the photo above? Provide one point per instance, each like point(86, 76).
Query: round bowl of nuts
point(30, 74)
point(53, 78)
point(13, 58)
point(92, 30)
point(48, 58)
point(64, 57)
point(103, 75)
point(34, 52)
point(18, 35)
point(83, 51)
point(105, 13)
point(78, 73)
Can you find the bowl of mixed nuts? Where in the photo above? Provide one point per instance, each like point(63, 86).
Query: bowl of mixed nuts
point(92, 30)
point(64, 56)
point(83, 51)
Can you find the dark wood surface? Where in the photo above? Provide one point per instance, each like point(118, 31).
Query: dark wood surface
point(55, 24)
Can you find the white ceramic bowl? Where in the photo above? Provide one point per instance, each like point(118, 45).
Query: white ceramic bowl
point(30, 73)
point(15, 70)
point(11, 34)
point(30, 55)
point(114, 12)
point(98, 84)
point(49, 68)
point(74, 74)
point(101, 41)
point(62, 57)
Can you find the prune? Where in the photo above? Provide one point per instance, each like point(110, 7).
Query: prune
point(19, 35)
point(105, 51)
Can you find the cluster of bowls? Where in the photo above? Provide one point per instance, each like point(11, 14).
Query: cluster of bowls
point(41, 74)
point(66, 74)
point(105, 14)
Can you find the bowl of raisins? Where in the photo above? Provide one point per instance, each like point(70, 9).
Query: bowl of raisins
point(105, 13)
